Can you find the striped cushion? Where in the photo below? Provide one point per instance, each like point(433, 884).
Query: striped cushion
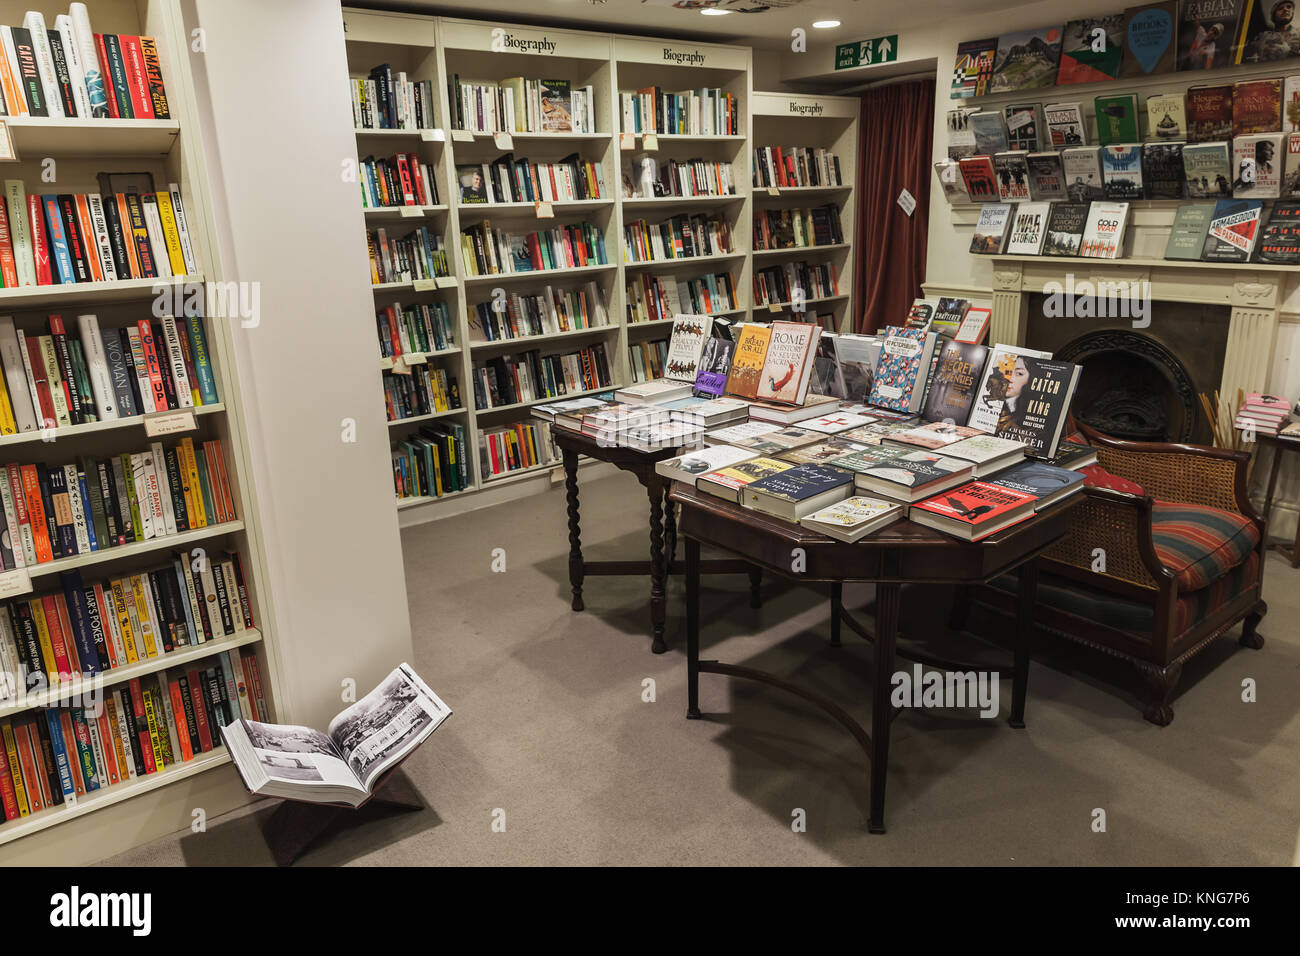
point(1198, 543)
point(1191, 609)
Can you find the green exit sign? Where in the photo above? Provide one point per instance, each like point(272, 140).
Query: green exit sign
point(866, 52)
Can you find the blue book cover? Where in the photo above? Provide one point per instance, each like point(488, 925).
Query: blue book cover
point(1037, 479)
point(89, 773)
point(74, 591)
point(90, 524)
point(58, 239)
point(800, 482)
point(60, 748)
point(895, 384)
point(193, 327)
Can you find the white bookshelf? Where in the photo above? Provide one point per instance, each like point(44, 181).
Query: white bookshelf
point(172, 152)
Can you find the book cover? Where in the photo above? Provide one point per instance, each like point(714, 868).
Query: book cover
point(1234, 229)
point(1103, 233)
point(979, 506)
point(974, 325)
point(1039, 480)
point(1083, 177)
point(827, 376)
point(961, 138)
point(791, 350)
point(1149, 32)
point(1065, 229)
point(1028, 229)
point(954, 188)
point(1163, 176)
point(899, 383)
point(1012, 171)
point(1291, 174)
point(1092, 50)
point(1022, 127)
point(1280, 241)
point(917, 469)
point(1121, 168)
point(799, 483)
point(1117, 119)
point(1026, 60)
point(1167, 117)
point(1005, 370)
point(1207, 168)
point(981, 182)
point(557, 106)
point(1257, 106)
point(1036, 404)
point(990, 131)
point(713, 458)
point(747, 363)
point(1191, 225)
point(932, 436)
point(986, 450)
point(973, 68)
point(835, 423)
point(1207, 34)
point(1046, 176)
point(1065, 126)
point(858, 356)
point(1291, 102)
point(833, 446)
point(857, 513)
point(685, 345)
point(1072, 455)
point(1209, 113)
point(714, 366)
point(1268, 32)
point(948, 313)
point(991, 229)
point(727, 482)
point(1259, 160)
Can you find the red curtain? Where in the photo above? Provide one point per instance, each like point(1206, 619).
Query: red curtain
point(895, 132)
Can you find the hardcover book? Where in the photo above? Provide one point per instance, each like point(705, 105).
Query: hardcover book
point(776, 441)
point(974, 326)
point(689, 467)
point(1121, 168)
point(1291, 174)
point(1045, 483)
point(1208, 170)
point(1012, 171)
point(875, 433)
point(1026, 60)
point(1207, 34)
point(1259, 159)
point(1234, 229)
point(922, 313)
point(858, 355)
point(899, 382)
point(1191, 225)
point(739, 432)
point(747, 363)
point(1022, 127)
point(1291, 103)
point(1280, 241)
point(990, 131)
point(974, 510)
point(1092, 50)
point(1103, 233)
point(988, 453)
point(798, 491)
point(714, 366)
point(791, 351)
point(948, 314)
point(1072, 455)
point(690, 333)
point(991, 229)
point(954, 187)
point(860, 461)
point(913, 475)
point(1065, 125)
point(931, 436)
point(835, 423)
point(1162, 170)
point(961, 138)
point(728, 482)
point(1268, 31)
point(820, 452)
point(1149, 32)
point(1117, 119)
point(974, 68)
point(981, 183)
point(1083, 177)
point(1257, 106)
point(827, 376)
point(1167, 117)
point(1065, 229)
point(557, 106)
point(1037, 404)
point(1209, 113)
point(1046, 176)
point(1028, 229)
point(853, 518)
point(1005, 373)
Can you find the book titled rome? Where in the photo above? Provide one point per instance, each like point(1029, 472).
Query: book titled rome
point(791, 351)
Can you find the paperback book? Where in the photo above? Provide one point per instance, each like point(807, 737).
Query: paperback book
point(1149, 38)
point(1234, 229)
point(899, 382)
point(798, 491)
point(991, 229)
point(1083, 175)
point(853, 518)
point(729, 482)
point(1092, 50)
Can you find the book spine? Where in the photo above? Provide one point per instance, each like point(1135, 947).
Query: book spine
point(40, 241)
point(183, 230)
point(62, 355)
point(170, 232)
point(140, 237)
point(34, 23)
point(136, 77)
point(117, 76)
point(101, 381)
point(154, 77)
point(154, 230)
point(16, 207)
point(8, 264)
point(29, 72)
point(99, 244)
point(62, 73)
point(202, 363)
point(76, 67)
point(176, 359)
point(152, 367)
point(84, 41)
point(58, 240)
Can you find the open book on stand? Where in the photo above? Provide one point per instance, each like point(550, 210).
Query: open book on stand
point(341, 766)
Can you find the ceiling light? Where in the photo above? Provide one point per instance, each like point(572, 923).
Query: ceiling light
point(825, 24)
point(714, 12)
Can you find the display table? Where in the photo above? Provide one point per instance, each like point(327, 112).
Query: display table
point(663, 527)
point(1280, 446)
point(903, 553)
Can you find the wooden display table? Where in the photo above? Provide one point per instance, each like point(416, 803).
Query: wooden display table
point(903, 553)
point(1280, 448)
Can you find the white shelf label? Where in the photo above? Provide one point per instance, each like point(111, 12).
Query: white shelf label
point(503, 140)
point(7, 152)
point(544, 210)
point(444, 282)
point(627, 140)
point(161, 424)
point(412, 212)
point(13, 583)
point(415, 358)
point(462, 136)
point(425, 285)
point(385, 362)
point(650, 141)
point(774, 190)
point(773, 307)
point(433, 135)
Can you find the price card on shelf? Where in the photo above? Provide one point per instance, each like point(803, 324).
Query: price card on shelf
point(650, 141)
point(412, 212)
point(503, 140)
point(415, 358)
point(444, 282)
point(385, 362)
point(774, 190)
point(773, 307)
point(433, 135)
point(7, 152)
point(544, 210)
point(627, 140)
point(161, 424)
point(400, 367)
point(425, 285)
point(462, 136)
point(14, 583)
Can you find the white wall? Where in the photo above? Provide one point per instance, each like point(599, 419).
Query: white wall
point(276, 121)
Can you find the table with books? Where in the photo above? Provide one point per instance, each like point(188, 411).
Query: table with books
point(1266, 419)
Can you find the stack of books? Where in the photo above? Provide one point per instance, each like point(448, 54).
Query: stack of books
point(1262, 414)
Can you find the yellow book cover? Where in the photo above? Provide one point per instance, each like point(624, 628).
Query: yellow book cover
point(15, 769)
point(142, 614)
point(43, 634)
point(432, 454)
point(747, 363)
point(8, 426)
point(193, 490)
point(171, 235)
point(151, 718)
point(124, 622)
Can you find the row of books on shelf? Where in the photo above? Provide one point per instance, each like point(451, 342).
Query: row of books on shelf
point(488, 251)
point(795, 281)
point(131, 233)
point(81, 630)
point(97, 504)
point(510, 180)
point(517, 447)
point(655, 298)
point(68, 70)
point(549, 312)
point(431, 463)
point(1262, 414)
point(1201, 115)
point(1257, 166)
point(1229, 230)
point(415, 329)
point(700, 112)
point(60, 379)
point(504, 380)
point(388, 100)
point(646, 359)
point(420, 254)
point(519, 105)
point(402, 179)
point(792, 166)
point(677, 237)
point(797, 228)
point(678, 179)
point(421, 389)
point(1144, 40)
point(58, 755)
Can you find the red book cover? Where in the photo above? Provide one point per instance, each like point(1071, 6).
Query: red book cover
point(534, 250)
point(404, 177)
point(142, 724)
point(1209, 113)
point(1257, 106)
point(977, 504)
point(151, 363)
point(69, 636)
point(200, 710)
point(255, 673)
point(106, 738)
point(40, 246)
point(62, 659)
point(8, 797)
point(178, 714)
point(421, 197)
point(37, 361)
point(35, 798)
point(8, 268)
point(106, 73)
point(137, 79)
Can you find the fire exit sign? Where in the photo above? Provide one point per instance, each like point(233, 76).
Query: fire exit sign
point(866, 52)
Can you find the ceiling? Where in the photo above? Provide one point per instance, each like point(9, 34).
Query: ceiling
point(769, 28)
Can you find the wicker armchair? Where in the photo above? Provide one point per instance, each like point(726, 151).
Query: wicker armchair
point(1122, 581)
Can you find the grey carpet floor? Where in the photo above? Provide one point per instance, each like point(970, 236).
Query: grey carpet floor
point(554, 735)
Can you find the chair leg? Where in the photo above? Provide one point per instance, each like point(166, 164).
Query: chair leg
point(1248, 636)
point(1161, 682)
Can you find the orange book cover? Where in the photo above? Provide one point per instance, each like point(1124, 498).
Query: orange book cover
point(38, 757)
point(747, 363)
point(64, 652)
point(178, 714)
point(124, 217)
point(74, 758)
point(91, 239)
point(26, 760)
point(106, 738)
point(36, 508)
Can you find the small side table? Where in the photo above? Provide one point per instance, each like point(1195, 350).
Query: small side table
point(1280, 447)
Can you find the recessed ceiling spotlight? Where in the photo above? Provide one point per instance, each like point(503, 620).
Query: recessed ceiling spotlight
point(825, 24)
point(714, 12)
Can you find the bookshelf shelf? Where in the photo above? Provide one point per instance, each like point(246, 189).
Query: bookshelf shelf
point(108, 796)
point(538, 273)
point(764, 307)
point(420, 135)
point(693, 138)
point(684, 261)
point(409, 286)
point(432, 416)
point(800, 250)
point(459, 135)
point(120, 290)
point(403, 212)
point(544, 337)
point(38, 136)
point(686, 201)
point(782, 192)
point(92, 428)
point(133, 550)
point(518, 406)
point(507, 476)
point(1152, 263)
point(662, 324)
point(386, 362)
point(118, 675)
point(404, 503)
point(469, 210)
